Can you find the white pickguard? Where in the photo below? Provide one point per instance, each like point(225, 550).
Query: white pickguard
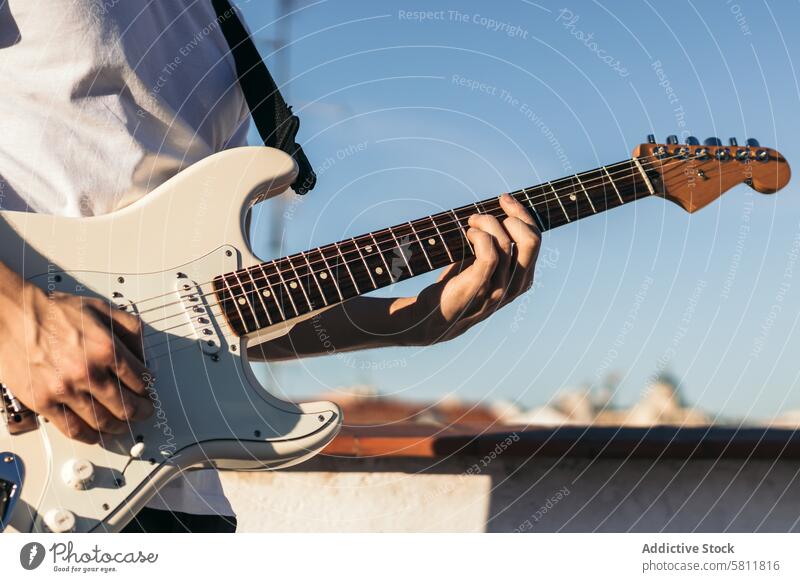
point(210, 410)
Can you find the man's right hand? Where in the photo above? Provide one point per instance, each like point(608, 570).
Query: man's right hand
point(76, 361)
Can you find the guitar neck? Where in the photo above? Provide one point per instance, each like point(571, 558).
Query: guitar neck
point(280, 290)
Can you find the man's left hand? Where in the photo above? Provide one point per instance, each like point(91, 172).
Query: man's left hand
point(469, 292)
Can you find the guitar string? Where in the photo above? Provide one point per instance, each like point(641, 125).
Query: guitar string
point(296, 278)
point(529, 200)
point(571, 201)
point(495, 211)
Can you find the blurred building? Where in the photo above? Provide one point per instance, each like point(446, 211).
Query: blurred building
point(661, 404)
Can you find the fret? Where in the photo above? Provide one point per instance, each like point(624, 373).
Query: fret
point(236, 302)
point(585, 193)
point(313, 275)
point(277, 298)
point(549, 216)
point(621, 201)
point(358, 266)
point(564, 210)
point(536, 216)
point(247, 301)
point(601, 193)
point(347, 267)
point(249, 291)
point(421, 246)
point(436, 252)
point(444, 243)
point(299, 282)
point(313, 295)
point(334, 276)
point(366, 265)
point(413, 250)
point(401, 250)
point(378, 250)
point(644, 175)
point(461, 230)
point(598, 195)
point(325, 277)
point(376, 263)
point(286, 287)
point(226, 303)
point(260, 298)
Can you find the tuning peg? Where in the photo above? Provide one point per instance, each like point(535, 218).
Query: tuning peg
point(692, 141)
point(651, 138)
point(712, 141)
point(753, 143)
point(732, 141)
point(672, 139)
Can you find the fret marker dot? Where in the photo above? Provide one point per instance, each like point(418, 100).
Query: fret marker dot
point(379, 270)
point(368, 248)
point(242, 300)
point(573, 197)
point(293, 285)
point(266, 293)
point(323, 275)
point(431, 241)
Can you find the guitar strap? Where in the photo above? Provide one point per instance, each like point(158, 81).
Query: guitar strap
point(276, 123)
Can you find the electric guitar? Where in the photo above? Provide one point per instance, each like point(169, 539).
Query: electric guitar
point(180, 259)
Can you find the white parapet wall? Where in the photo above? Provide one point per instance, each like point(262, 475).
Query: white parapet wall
point(464, 493)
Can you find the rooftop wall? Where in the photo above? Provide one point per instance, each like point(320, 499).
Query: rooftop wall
point(443, 486)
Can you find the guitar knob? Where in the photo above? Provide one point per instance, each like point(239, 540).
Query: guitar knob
point(651, 138)
point(59, 520)
point(733, 143)
point(692, 141)
point(672, 139)
point(712, 141)
point(78, 473)
point(753, 143)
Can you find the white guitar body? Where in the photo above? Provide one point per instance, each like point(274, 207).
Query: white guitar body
point(158, 257)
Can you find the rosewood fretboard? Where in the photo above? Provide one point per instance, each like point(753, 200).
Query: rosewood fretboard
point(279, 290)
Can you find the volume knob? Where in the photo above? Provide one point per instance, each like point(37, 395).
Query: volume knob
point(78, 473)
point(59, 520)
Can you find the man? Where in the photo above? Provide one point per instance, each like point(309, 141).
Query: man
point(101, 103)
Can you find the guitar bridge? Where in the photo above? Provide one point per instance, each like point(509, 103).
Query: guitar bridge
point(18, 418)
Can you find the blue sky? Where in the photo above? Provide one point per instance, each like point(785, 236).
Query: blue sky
point(406, 114)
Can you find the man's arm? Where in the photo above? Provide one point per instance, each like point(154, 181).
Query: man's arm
point(74, 360)
point(361, 323)
point(505, 257)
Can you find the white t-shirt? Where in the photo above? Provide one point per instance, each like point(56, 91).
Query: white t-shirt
point(100, 102)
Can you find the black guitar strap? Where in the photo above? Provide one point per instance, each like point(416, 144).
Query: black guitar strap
point(274, 120)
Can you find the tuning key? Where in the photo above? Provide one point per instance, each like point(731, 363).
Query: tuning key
point(713, 141)
point(692, 141)
point(753, 143)
point(672, 139)
point(732, 141)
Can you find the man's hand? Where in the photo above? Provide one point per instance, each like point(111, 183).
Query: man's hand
point(464, 295)
point(74, 360)
point(502, 269)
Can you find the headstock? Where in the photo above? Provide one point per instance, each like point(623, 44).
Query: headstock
point(693, 175)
